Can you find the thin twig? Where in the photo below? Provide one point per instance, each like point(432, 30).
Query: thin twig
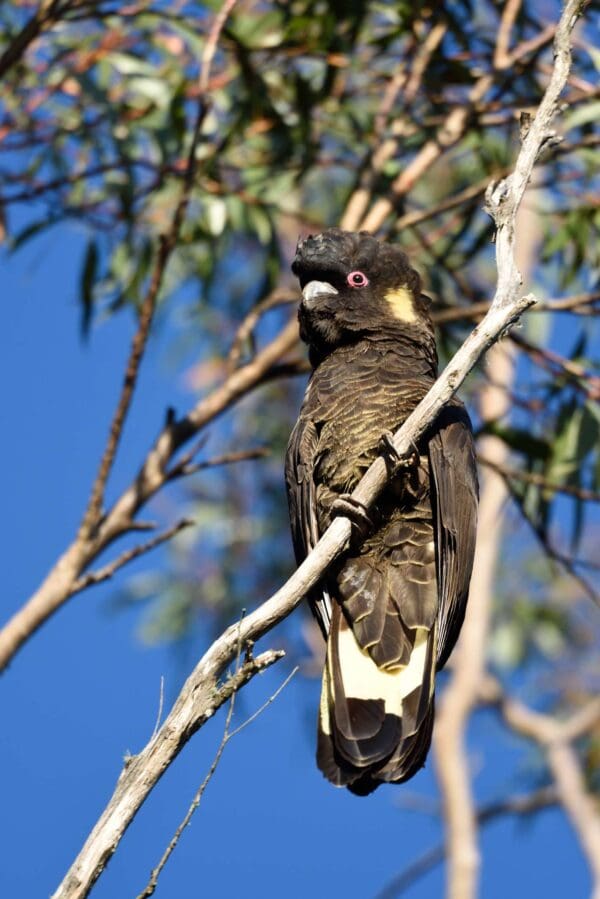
point(155, 874)
point(566, 562)
point(161, 700)
point(107, 571)
point(587, 383)
point(183, 468)
point(538, 480)
point(167, 244)
point(265, 704)
point(227, 736)
point(502, 58)
point(47, 14)
point(277, 297)
point(580, 303)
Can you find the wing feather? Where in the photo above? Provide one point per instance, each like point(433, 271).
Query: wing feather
point(454, 500)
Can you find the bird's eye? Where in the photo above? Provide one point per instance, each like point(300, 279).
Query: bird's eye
point(357, 279)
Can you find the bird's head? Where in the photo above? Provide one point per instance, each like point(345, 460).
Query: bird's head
point(354, 285)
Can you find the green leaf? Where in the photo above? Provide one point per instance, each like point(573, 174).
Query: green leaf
point(588, 112)
point(88, 278)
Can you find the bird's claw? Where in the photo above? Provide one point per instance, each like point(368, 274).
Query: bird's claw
point(395, 461)
point(347, 507)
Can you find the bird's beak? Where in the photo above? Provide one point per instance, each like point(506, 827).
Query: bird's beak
point(315, 289)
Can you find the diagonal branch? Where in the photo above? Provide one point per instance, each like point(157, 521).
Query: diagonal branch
point(227, 736)
point(98, 530)
point(167, 244)
point(153, 474)
point(48, 13)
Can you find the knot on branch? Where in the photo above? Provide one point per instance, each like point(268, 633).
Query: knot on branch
point(499, 201)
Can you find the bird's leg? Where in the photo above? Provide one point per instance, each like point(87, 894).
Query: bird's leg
point(395, 462)
point(347, 507)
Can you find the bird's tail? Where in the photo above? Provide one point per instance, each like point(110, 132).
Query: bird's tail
point(375, 723)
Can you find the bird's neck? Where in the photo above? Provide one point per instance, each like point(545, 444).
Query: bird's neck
point(415, 353)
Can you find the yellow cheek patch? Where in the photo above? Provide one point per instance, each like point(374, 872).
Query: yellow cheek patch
point(402, 304)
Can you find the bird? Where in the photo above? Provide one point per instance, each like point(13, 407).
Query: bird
point(391, 608)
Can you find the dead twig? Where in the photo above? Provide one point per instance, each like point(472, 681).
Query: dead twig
point(107, 571)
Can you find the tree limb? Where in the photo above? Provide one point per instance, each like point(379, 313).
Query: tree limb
point(196, 703)
point(520, 805)
point(555, 738)
point(154, 472)
point(227, 736)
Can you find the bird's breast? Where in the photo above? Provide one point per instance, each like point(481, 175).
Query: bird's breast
point(353, 400)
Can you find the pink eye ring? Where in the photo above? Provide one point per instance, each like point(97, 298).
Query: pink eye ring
point(357, 279)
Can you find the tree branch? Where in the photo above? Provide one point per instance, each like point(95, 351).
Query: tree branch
point(461, 694)
point(154, 473)
point(48, 13)
point(555, 738)
point(196, 703)
point(227, 736)
point(521, 805)
point(538, 480)
point(107, 571)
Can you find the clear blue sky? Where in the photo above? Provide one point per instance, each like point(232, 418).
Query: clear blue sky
point(84, 691)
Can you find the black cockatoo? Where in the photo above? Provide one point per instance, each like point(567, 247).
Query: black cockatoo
point(392, 608)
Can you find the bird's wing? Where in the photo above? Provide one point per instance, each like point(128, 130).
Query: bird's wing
point(302, 501)
point(454, 494)
point(299, 466)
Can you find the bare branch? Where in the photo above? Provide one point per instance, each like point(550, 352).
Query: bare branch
point(579, 303)
point(277, 297)
point(528, 477)
point(47, 14)
point(357, 205)
point(56, 588)
point(462, 693)
point(155, 874)
point(167, 244)
point(502, 58)
point(185, 466)
point(555, 739)
point(212, 41)
point(107, 571)
point(197, 702)
point(520, 805)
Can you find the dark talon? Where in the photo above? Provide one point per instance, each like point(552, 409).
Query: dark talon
point(347, 507)
point(395, 462)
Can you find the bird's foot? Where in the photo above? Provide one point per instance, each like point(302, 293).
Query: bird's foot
point(347, 507)
point(396, 462)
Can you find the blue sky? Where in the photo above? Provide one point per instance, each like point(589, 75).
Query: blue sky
point(84, 691)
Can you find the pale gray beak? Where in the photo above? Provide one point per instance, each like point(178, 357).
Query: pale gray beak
point(315, 289)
